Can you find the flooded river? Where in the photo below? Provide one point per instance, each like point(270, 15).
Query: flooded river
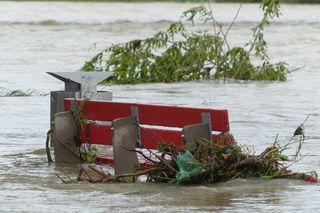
point(41, 37)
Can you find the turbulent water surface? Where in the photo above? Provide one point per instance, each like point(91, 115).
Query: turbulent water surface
point(36, 38)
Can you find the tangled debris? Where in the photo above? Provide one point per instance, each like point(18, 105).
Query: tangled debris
point(212, 163)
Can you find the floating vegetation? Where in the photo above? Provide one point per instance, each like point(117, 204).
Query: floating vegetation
point(15, 93)
point(4, 92)
point(180, 54)
point(212, 163)
point(88, 153)
point(18, 93)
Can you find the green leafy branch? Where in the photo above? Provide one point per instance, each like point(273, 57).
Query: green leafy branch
point(178, 54)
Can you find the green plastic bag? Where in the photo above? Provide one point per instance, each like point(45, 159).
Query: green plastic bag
point(189, 168)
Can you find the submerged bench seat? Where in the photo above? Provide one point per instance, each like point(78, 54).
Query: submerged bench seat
point(155, 124)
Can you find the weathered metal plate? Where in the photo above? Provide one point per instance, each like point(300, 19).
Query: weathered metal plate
point(124, 139)
point(195, 133)
point(83, 78)
point(85, 81)
point(64, 132)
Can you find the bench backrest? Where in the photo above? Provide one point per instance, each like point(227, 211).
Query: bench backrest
point(170, 119)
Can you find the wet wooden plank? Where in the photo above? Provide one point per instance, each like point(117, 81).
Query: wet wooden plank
point(150, 137)
point(159, 115)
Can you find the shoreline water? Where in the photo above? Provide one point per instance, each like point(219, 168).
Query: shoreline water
point(176, 1)
point(257, 110)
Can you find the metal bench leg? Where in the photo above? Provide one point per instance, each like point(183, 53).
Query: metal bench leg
point(124, 139)
point(192, 134)
point(64, 132)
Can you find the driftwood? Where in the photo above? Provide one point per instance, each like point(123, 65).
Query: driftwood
point(95, 174)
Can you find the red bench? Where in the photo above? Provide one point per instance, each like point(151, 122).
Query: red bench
point(156, 122)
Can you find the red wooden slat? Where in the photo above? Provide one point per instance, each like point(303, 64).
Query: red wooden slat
point(102, 134)
point(171, 116)
point(97, 134)
point(151, 137)
point(105, 159)
point(181, 116)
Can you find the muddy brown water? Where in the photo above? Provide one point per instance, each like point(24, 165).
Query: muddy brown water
point(40, 37)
